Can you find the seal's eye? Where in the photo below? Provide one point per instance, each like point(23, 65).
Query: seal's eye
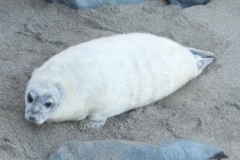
point(29, 98)
point(48, 104)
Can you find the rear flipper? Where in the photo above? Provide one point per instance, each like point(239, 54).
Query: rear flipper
point(203, 58)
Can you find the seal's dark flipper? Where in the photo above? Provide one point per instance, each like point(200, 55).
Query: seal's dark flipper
point(187, 3)
point(219, 156)
point(203, 58)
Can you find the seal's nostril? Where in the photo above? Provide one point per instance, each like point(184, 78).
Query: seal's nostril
point(31, 118)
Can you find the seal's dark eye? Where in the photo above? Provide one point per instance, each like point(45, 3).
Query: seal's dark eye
point(29, 98)
point(48, 104)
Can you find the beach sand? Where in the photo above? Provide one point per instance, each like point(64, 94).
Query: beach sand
point(207, 109)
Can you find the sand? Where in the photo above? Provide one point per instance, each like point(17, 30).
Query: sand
point(206, 109)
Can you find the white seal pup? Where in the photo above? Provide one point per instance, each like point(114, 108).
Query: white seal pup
point(108, 76)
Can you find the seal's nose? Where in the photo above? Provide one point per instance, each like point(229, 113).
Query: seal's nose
point(35, 110)
point(32, 119)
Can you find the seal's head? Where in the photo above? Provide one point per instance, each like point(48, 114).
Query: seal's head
point(42, 98)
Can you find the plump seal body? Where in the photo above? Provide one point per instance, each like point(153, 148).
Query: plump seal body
point(108, 76)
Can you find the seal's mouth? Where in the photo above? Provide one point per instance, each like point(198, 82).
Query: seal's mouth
point(39, 122)
point(34, 119)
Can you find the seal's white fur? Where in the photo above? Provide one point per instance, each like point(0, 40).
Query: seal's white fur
point(108, 76)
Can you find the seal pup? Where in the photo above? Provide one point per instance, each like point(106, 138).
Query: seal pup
point(108, 76)
point(126, 150)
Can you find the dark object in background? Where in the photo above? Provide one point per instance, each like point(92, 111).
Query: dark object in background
point(91, 4)
point(126, 150)
point(187, 3)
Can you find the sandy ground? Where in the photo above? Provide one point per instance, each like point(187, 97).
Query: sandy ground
point(206, 109)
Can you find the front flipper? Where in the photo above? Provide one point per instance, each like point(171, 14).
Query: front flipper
point(203, 58)
point(93, 121)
